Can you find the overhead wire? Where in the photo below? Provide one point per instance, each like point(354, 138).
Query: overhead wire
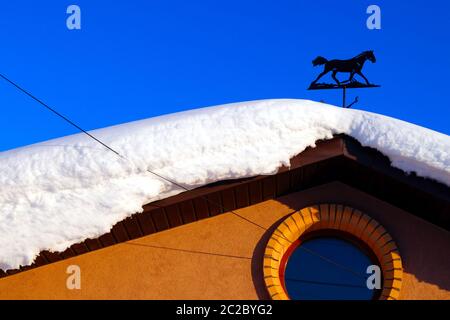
point(179, 185)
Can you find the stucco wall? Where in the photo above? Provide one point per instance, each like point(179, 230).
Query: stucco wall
point(221, 257)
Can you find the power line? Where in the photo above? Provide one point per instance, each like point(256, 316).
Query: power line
point(58, 114)
point(110, 148)
point(188, 251)
point(148, 170)
point(334, 284)
point(355, 273)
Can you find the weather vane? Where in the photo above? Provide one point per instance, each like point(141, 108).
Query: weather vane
point(352, 66)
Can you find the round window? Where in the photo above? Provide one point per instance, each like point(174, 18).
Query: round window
point(327, 268)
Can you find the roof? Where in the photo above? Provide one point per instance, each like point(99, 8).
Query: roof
point(60, 192)
point(341, 159)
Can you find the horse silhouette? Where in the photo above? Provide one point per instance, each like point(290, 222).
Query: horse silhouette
point(352, 66)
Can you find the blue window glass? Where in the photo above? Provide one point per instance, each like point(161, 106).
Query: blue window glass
point(327, 268)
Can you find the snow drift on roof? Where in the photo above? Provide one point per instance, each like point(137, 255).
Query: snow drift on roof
point(60, 192)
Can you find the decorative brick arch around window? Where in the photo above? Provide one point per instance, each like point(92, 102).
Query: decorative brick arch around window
point(332, 217)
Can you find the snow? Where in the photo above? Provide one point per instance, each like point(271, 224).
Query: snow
point(63, 191)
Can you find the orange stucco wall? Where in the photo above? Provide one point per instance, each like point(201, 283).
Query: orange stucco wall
point(221, 257)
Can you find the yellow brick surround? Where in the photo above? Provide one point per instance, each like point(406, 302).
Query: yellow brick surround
point(332, 217)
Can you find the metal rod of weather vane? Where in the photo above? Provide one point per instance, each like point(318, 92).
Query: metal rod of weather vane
point(344, 92)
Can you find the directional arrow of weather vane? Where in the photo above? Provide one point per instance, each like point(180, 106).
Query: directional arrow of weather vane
point(352, 66)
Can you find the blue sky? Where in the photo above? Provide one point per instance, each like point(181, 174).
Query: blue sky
point(137, 59)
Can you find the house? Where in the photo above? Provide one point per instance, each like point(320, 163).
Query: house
point(316, 227)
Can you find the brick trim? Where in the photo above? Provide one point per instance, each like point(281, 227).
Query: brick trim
point(332, 217)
